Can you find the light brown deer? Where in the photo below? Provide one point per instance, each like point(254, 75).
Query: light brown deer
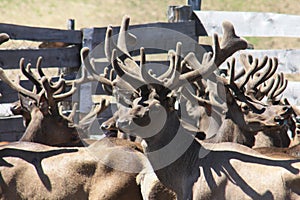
point(192, 168)
point(88, 182)
point(236, 121)
point(105, 170)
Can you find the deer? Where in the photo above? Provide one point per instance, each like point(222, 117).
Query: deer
point(112, 162)
point(45, 123)
point(90, 175)
point(229, 126)
point(107, 169)
point(192, 168)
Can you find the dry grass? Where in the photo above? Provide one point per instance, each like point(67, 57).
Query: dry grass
point(99, 13)
point(284, 7)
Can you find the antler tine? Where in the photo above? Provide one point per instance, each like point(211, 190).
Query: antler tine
point(121, 47)
point(118, 66)
point(39, 66)
point(200, 71)
point(63, 96)
point(96, 110)
point(84, 53)
point(250, 68)
point(146, 74)
point(18, 87)
point(125, 37)
point(174, 72)
point(275, 87)
point(174, 79)
point(4, 37)
point(274, 63)
point(278, 87)
point(89, 67)
point(265, 89)
point(202, 102)
point(35, 88)
point(282, 87)
point(168, 72)
point(260, 77)
point(29, 75)
point(70, 117)
point(108, 43)
point(53, 97)
point(229, 45)
point(231, 67)
point(233, 86)
point(109, 75)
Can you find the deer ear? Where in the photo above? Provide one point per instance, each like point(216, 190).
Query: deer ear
point(25, 101)
point(43, 104)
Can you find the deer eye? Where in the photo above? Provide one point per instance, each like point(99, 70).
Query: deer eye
point(30, 103)
point(245, 108)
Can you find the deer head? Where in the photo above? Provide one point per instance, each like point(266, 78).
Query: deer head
point(235, 102)
point(151, 94)
point(41, 111)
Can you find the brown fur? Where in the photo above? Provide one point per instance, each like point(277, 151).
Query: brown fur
point(35, 171)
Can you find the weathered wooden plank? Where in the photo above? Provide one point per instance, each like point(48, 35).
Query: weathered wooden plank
point(292, 93)
point(10, 125)
point(9, 95)
point(249, 23)
point(160, 36)
point(289, 59)
point(19, 32)
point(54, 57)
point(195, 4)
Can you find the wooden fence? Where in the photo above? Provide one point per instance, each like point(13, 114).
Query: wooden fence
point(163, 34)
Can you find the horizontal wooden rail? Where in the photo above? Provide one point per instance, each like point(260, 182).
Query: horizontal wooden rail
point(289, 59)
point(11, 128)
point(54, 57)
point(19, 32)
point(161, 36)
point(254, 24)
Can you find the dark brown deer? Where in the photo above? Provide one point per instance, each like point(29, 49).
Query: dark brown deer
point(192, 168)
point(43, 119)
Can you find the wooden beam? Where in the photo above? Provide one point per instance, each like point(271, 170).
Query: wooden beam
point(10, 125)
point(255, 24)
point(18, 32)
point(156, 35)
point(180, 13)
point(9, 95)
point(54, 57)
point(195, 4)
point(288, 59)
point(292, 92)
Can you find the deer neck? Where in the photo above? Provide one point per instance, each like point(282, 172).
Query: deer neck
point(34, 128)
point(171, 151)
point(231, 132)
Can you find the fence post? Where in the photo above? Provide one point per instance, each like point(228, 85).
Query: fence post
point(69, 70)
point(85, 95)
point(195, 4)
point(179, 13)
point(71, 24)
